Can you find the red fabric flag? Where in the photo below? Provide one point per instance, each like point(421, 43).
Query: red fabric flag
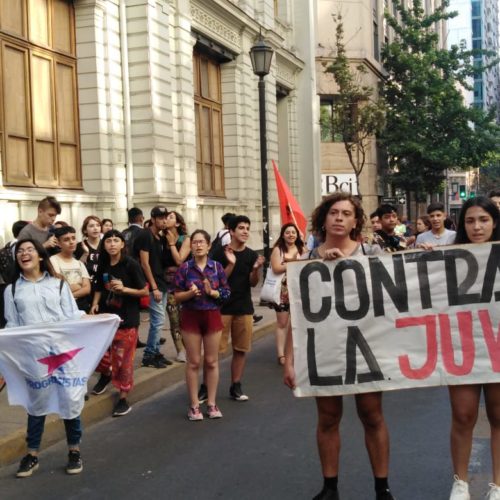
point(289, 207)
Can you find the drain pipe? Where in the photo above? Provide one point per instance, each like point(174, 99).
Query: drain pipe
point(129, 163)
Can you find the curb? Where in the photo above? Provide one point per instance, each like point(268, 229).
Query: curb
point(147, 382)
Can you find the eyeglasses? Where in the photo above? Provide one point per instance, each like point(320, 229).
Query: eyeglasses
point(198, 242)
point(29, 250)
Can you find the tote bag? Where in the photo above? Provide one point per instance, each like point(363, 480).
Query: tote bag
point(271, 289)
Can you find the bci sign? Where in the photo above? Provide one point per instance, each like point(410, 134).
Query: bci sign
point(331, 183)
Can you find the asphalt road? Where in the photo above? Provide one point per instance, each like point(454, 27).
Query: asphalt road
point(261, 449)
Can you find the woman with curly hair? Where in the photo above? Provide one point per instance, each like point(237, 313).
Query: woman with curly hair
point(338, 222)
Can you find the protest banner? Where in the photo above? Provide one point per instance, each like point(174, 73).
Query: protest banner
point(47, 366)
point(395, 321)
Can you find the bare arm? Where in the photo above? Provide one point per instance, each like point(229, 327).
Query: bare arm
point(255, 275)
point(84, 289)
point(144, 257)
point(277, 264)
point(180, 255)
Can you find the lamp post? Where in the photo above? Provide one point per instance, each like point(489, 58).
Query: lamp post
point(261, 55)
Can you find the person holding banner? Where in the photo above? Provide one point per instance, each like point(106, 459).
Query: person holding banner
point(38, 295)
point(288, 247)
point(338, 223)
point(119, 285)
point(479, 222)
point(201, 286)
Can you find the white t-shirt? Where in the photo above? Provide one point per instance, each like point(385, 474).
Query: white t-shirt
point(446, 238)
point(73, 271)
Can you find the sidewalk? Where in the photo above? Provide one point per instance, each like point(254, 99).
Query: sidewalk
point(147, 382)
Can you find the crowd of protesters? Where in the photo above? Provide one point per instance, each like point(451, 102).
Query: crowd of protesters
point(204, 287)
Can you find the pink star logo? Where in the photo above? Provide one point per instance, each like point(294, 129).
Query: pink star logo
point(55, 361)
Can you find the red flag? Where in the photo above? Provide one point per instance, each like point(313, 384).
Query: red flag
point(289, 207)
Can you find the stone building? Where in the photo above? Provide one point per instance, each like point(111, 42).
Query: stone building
point(109, 104)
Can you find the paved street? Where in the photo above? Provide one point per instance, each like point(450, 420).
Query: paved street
point(264, 448)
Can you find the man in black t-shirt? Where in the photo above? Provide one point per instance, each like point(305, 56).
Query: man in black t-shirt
point(241, 265)
point(386, 237)
point(150, 247)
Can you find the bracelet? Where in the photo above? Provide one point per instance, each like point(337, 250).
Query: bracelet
point(154, 289)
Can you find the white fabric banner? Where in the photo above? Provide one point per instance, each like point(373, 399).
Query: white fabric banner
point(47, 366)
point(394, 321)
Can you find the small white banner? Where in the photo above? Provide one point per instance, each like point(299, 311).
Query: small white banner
point(395, 321)
point(47, 366)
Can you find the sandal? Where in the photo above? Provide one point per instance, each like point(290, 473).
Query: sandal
point(281, 360)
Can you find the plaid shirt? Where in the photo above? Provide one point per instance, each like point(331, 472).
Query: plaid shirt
point(189, 273)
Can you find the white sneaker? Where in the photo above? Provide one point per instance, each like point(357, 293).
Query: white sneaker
point(494, 493)
point(460, 490)
point(181, 357)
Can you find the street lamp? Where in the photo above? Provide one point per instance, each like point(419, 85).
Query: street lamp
point(261, 55)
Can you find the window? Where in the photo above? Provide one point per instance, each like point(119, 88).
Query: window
point(329, 120)
point(376, 42)
point(39, 133)
point(208, 121)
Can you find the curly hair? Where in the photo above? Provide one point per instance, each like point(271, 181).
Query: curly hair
point(319, 214)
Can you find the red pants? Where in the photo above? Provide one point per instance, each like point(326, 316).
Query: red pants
point(118, 361)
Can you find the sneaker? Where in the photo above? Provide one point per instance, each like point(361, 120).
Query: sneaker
point(181, 357)
point(257, 318)
point(327, 494)
point(121, 408)
point(28, 464)
point(75, 464)
point(100, 387)
point(494, 493)
point(153, 362)
point(140, 345)
point(195, 414)
point(236, 393)
point(202, 394)
point(384, 495)
point(460, 490)
point(213, 412)
point(163, 359)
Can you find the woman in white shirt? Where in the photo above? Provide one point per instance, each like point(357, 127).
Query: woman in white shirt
point(38, 296)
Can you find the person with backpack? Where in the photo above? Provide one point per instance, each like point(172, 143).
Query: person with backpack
point(119, 285)
point(135, 221)
point(223, 237)
point(38, 295)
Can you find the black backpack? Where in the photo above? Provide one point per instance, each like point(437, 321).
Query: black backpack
point(216, 247)
point(7, 263)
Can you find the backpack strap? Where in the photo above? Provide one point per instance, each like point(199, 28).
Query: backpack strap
point(13, 287)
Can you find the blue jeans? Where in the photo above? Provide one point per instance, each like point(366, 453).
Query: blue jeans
point(156, 322)
point(35, 430)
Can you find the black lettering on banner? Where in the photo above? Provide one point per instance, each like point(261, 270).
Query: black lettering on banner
point(314, 378)
point(355, 339)
point(421, 259)
point(457, 295)
point(397, 289)
point(492, 269)
point(338, 281)
point(326, 302)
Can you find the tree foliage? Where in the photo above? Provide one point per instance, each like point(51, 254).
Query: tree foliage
point(357, 116)
point(429, 128)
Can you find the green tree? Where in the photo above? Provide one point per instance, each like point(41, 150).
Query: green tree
point(358, 116)
point(429, 128)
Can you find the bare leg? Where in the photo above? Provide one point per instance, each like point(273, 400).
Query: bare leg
point(192, 341)
point(211, 365)
point(327, 433)
point(370, 412)
point(237, 365)
point(492, 398)
point(464, 401)
point(281, 329)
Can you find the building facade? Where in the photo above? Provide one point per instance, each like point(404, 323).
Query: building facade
point(109, 104)
point(365, 32)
